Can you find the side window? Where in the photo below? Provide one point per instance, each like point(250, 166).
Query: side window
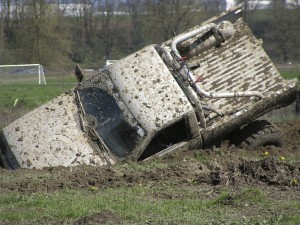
point(171, 135)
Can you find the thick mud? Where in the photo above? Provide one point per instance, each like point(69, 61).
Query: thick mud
point(225, 166)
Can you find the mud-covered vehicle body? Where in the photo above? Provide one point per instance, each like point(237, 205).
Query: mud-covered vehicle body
point(189, 92)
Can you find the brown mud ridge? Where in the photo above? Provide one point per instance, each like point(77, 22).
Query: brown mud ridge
point(218, 166)
point(268, 171)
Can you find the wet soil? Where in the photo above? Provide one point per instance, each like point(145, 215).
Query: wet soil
point(272, 168)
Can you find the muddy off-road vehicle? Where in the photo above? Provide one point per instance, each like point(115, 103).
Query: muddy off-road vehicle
point(207, 84)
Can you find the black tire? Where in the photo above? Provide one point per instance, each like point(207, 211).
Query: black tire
point(257, 134)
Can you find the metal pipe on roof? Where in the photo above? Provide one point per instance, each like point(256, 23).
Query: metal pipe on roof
point(190, 75)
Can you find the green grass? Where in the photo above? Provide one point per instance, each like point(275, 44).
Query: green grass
point(18, 99)
point(33, 95)
point(140, 204)
point(286, 74)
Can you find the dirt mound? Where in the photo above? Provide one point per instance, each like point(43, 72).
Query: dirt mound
point(187, 170)
point(270, 171)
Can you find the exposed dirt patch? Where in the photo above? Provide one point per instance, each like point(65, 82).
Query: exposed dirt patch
point(103, 217)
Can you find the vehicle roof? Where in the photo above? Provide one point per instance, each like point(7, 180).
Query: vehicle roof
point(148, 89)
point(240, 65)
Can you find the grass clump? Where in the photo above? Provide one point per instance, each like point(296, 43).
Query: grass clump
point(290, 74)
point(246, 197)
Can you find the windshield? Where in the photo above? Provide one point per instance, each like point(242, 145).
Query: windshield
point(116, 129)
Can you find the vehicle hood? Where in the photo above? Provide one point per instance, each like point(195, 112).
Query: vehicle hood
point(148, 89)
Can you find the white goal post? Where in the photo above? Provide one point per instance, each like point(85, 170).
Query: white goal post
point(9, 73)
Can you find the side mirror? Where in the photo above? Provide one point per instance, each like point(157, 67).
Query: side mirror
point(78, 74)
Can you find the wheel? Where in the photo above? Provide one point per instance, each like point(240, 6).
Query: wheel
point(256, 134)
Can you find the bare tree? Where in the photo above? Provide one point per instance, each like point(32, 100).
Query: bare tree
point(211, 7)
point(136, 12)
point(250, 8)
point(283, 34)
point(6, 12)
point(109, 30)
point(2, 42)
point(169, 17)
point(34, 34)
point(81, 29)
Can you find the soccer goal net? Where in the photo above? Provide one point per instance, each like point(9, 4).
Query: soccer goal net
point(22, 74)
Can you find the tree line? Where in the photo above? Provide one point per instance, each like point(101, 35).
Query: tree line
point(35, 31)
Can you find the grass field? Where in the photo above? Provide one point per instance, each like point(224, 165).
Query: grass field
point(18, 99)
point(130, 205)
point(290, 74)
point(33, 95)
